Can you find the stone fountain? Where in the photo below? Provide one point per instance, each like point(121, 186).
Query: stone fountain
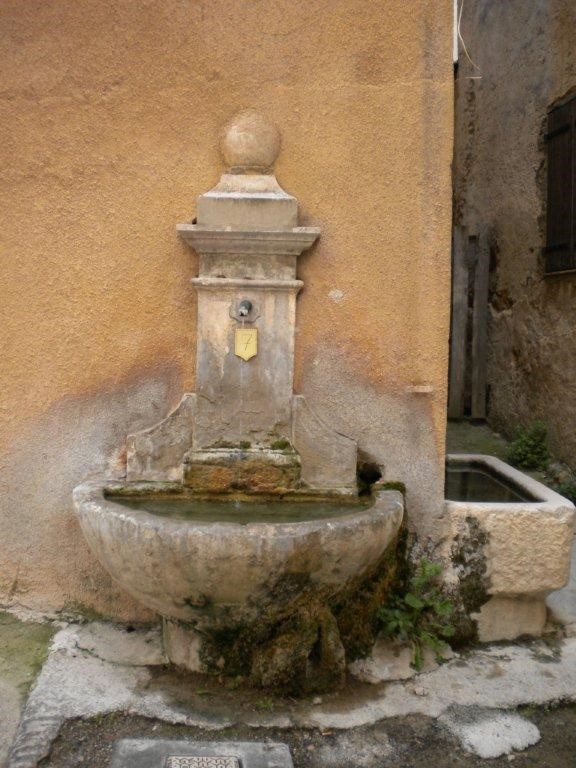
point(239, 519)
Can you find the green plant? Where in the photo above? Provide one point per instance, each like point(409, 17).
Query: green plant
point(266, 704)
point(529, 449)
point(567, 489)
point(420, 614)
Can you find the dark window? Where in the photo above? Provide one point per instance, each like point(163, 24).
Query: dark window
point(560, 251)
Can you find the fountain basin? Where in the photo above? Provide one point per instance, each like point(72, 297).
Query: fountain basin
point(215, 574)
point(522, 531)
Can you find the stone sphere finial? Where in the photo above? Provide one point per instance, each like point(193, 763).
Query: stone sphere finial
point(249, 143)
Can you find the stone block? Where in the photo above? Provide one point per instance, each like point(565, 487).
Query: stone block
point(328, 458)
point(490, 733)
point(258, 210)
point(506, 618)
point(237, 399)
point(386, 662)
point(251, 470)
point(562, 604)
point(393, 661)
point(182, 645)
point(157, 453)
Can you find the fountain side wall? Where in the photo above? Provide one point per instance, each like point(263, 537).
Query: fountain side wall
point(110, 112)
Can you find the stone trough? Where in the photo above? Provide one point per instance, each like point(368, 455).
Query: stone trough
point(524, 536)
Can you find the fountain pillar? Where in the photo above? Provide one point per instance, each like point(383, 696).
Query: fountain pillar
point(248, 240)
point(244, 429)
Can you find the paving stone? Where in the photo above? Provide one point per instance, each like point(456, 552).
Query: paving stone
point(161, 753)
point(490, 733)
point(110, 643)
point(23, 644)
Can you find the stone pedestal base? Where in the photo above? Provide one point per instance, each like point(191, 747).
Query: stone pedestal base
point(181, 645)
point(506, 618)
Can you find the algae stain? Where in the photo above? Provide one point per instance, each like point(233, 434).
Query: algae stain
point(76, 610)
point(358, 615)
point(305, 636)
point(23, 650)
point(469, 562)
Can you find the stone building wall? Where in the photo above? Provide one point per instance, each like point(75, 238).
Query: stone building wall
point(525, 57)
point(109, 117)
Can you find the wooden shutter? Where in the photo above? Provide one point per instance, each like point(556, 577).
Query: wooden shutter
point(561, 220)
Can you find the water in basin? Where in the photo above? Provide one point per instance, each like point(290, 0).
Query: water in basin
point(472, 482)
point(242, 512)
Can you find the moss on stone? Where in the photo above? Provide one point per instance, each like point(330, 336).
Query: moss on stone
point(23, 649)
point(394, 485)
point(307, 656)
point(253, 475)
point(304, 637)
point(281, 445)
point(357, 615)
point(77, 610)
point(469, 562)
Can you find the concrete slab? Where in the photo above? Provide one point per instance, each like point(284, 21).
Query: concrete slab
point(138, 648)
point(503, 676)
point(161, 753)
point(490, 733)
point(78, 683)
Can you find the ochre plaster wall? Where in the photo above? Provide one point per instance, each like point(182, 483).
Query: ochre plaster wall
point(109, 117)
point(526, 58)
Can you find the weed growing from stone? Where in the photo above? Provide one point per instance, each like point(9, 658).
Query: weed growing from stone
point(265, 705)
point(421, 615)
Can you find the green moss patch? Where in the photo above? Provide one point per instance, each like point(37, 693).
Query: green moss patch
point(305, 635)
point(23, 650)
point(469, 563)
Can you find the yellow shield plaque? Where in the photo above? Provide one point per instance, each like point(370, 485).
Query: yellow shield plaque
point(246, 342)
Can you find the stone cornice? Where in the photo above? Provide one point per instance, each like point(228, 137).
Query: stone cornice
point(248, 242)
point(233, 284)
